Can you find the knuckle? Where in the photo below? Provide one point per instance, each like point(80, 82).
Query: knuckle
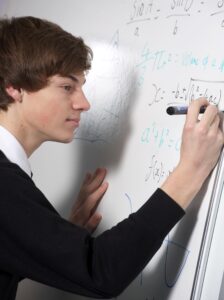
point(202, 130)
point(198, 101)
point(202, 100)
point(188, 128)
point(213, 138)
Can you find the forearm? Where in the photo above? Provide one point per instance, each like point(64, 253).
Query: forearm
point(125, 250)
point(183, 184)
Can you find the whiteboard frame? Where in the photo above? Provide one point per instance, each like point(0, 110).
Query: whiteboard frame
point(208, 231)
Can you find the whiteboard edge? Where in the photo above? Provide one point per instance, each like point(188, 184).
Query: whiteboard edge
point(208, 231)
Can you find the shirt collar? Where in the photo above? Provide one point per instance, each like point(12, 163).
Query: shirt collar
point(13, 150)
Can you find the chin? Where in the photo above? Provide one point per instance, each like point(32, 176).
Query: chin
point(68, 140)
point(64, 139)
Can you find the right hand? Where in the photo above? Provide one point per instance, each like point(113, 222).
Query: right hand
point(202, 142)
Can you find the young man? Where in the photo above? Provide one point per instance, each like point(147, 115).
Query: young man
point(42, 71)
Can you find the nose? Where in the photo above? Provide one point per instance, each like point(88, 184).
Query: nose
point(80, 102)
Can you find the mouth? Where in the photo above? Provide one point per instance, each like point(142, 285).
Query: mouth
point(73, 121)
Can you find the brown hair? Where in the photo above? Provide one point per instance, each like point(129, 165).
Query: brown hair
point(32, 50)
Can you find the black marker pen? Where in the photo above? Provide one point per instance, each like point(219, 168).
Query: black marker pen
point(181, 110)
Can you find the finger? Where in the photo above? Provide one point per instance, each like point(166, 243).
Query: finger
point(77, 219)
point(89, 186)
point(88, 178)
point(94, 174)
point(86, 181)
point(209, 116)
point(88, 208)
point(97, 180)
point(95, 198)
point(194, 109)
point(93, 222)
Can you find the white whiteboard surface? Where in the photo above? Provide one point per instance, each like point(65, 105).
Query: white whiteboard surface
point(147, 55)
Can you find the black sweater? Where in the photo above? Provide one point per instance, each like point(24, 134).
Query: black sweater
point(37, 243)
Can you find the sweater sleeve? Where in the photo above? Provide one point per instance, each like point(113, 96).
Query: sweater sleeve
point(37, 243)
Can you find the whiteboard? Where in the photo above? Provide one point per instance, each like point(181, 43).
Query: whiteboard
point(148, 54)
point(213, 282)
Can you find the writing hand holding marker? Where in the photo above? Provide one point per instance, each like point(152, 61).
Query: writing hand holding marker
point(201, 146)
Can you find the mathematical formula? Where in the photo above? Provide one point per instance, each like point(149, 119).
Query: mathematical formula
point(144, 11)
point(158, 60)
point(161, 137)
point(185, 93)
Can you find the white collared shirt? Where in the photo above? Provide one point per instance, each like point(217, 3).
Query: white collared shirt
point(13, 150)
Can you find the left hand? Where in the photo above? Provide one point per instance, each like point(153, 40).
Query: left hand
point(92, 190)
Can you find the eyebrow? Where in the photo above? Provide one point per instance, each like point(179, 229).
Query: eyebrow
point(74, 78)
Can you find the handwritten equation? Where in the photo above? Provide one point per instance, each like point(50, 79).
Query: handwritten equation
point(185, 93)
point(157, 170)
point(149, 10)
point(161, 137)
point(144, 11)
point(160, 59)
point(212, 90)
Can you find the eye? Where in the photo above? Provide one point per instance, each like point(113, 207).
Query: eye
point(67, 88)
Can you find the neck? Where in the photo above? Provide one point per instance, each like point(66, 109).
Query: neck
point(10, 121)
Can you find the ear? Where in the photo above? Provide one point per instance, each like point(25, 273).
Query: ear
point(16, 94)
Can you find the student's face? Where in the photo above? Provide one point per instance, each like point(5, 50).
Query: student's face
point(54, 112)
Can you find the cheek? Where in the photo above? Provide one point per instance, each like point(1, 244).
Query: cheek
point(50, 115)
point(44, 120)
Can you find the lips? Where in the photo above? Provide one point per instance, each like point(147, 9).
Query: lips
point(73, 121)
